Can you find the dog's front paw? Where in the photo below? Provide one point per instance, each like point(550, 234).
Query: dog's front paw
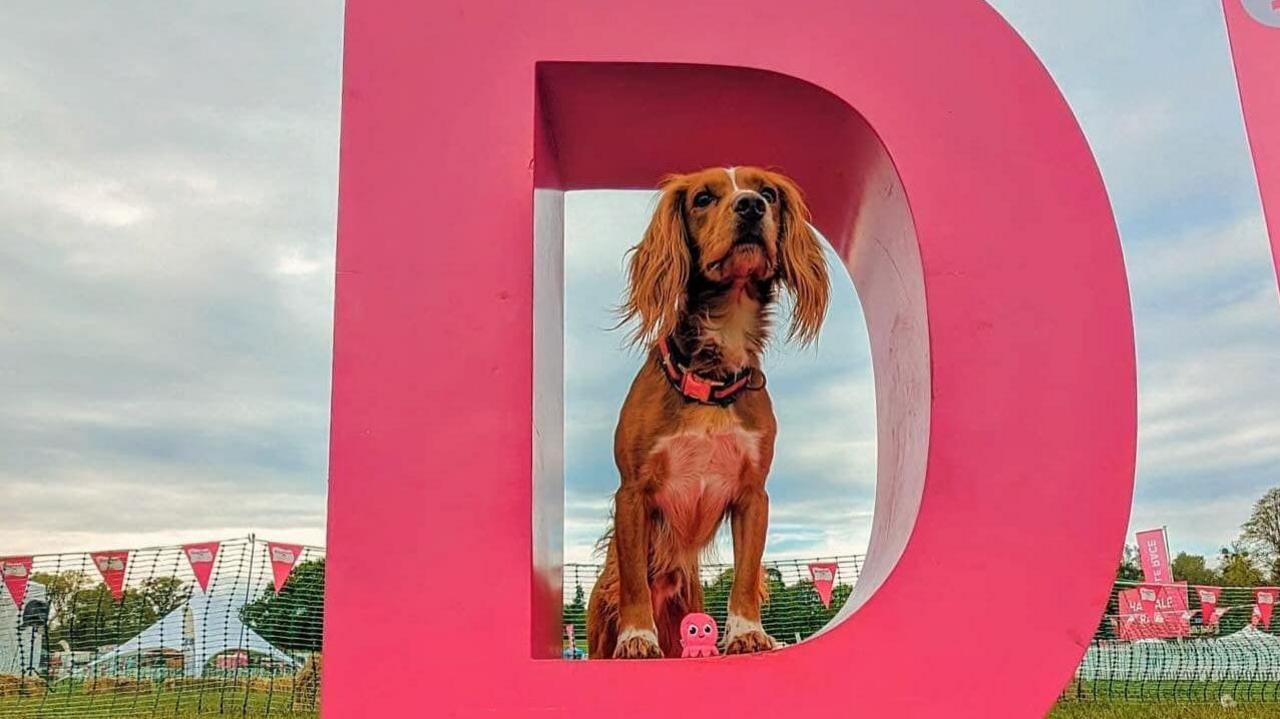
point(637, 644)
point(746, 637)
point(749, 642)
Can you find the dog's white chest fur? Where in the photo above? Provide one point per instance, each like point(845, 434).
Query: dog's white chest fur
point(704, 469)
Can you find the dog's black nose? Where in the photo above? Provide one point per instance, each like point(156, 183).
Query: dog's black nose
point(749, 207)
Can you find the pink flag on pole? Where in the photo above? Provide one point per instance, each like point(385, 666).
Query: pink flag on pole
point(111, 565)
point(201, 556)
point(283, 557)
point(16, 571)
point(1154, 553)
point(824, 579)
point(1209, 604)
point(1265, 601)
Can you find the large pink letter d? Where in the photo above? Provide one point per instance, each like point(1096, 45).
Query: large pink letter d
point(949, 174)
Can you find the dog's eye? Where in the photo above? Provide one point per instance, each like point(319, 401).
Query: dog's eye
point(769, 194)
point(693, 630)
point(704, 198)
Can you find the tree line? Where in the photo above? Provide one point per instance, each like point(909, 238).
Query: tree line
point(1252, 560)
point(83, 614)
point(791, 610)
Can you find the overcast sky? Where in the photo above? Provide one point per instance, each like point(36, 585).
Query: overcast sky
point(167, 205)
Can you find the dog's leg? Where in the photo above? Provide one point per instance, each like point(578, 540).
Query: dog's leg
point(602, 611)
point(637, 632)
point(750, 519)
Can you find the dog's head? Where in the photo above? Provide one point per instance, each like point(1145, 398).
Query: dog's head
point(727, 227)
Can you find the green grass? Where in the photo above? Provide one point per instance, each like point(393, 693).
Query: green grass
point(172, 704)
point(215, 702)
point(1171, 692)
point(1161, 710)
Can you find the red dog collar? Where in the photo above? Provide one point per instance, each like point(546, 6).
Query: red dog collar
point(700, 389)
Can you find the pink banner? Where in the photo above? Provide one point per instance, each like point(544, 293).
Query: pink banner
point(1264, 601)
point(1154, 552)
point(1162, 614)
point(201, 556)
point(283, 557)
point(824, 579)
point(1209, 596)
point(16, 572)
point(111, 565)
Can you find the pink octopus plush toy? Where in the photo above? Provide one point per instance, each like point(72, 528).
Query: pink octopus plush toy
point(698, 634)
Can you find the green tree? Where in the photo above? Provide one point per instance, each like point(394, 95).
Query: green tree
point(1261, 532)
point(61, 588)
point(1193, 569)
point(93, 618)
point(1237, 568)
point(294, 618)
point(575, 612)
point(163, 594)
point(1130, 569)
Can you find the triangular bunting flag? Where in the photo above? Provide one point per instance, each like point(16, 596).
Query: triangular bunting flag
point(1147, 594)
point(111, 565)
point(16, 571)
point(1266, 601)
point(1209, 604)
point(824, 579)
point(201, 556)
point(283, 557)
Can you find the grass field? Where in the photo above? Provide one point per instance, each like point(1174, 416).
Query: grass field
point(191, 705)
point(175, 705)
point(1162, 710)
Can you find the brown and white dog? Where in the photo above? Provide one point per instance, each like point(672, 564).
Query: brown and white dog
point(695, 437)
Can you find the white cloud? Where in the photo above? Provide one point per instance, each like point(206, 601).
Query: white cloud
point(104, 204)
point(167, 213)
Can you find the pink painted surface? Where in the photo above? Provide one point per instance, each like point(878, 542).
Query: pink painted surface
point(1255, 50)
point(1006, 407)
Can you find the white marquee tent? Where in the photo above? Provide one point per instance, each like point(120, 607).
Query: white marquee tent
point(200, 630)
point(22, 633)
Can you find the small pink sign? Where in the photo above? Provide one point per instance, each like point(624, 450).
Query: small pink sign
point(1209, 604)
point(283, 557)
point(16, 572)
point(111, 565)
point(824, 579)
point(201, 556)
point(1147, 596)
point(1265, 601)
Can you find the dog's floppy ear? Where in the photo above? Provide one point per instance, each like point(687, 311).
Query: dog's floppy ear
point(804, 268)
point(658, 273)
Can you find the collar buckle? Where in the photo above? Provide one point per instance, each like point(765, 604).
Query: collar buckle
point(699, 389)
point(694, 387)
